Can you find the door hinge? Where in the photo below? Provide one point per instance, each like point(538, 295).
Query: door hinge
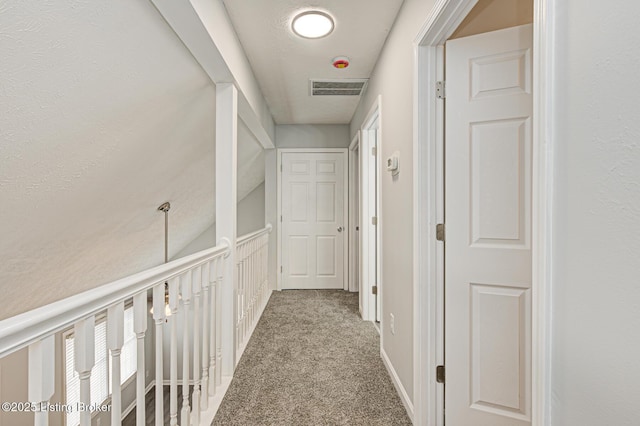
point(440, 374)
point(440, 89)
point(280, 168)
point(374, 220)
point(440, 232)
point(374, 151)
point(374, 289)
point(280, 218)
point(280, 269)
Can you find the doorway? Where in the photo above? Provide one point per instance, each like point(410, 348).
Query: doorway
point(370, 219)
point(487, 285)
point(528, 218)
point(313, 206)
point(354, 284)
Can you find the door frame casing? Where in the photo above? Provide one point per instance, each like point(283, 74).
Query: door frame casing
point(370, 234)
point(345, 203)
point(428, 201)
point(354, 182)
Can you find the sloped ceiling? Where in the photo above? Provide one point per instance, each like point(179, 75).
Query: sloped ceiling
point(104, 115)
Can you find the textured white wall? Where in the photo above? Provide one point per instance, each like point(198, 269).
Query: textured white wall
point(251, 217)
point(104, 115)
point(596, 230)
point(251, 211)
point(393, 79)
point(312, 136)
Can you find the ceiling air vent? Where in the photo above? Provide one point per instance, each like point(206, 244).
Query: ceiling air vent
point(342, 87)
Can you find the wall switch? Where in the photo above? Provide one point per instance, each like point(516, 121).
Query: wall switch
point(392, 324)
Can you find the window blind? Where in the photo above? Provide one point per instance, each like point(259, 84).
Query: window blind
point(100, 382)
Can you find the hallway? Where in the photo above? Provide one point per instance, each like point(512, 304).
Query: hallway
point(312, 360)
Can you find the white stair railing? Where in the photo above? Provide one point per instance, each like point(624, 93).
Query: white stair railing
point(186, 290)
point(252, 285)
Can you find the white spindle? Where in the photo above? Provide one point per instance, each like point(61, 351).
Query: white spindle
point(247, 289)
point(173, 367)
point(140, 327)
point(239, 294)
point(195, 398)
point(218, 310)
point(84, 355)
point(254, 275)
point(212, 328)
point(41, 377)
point(250, 286)
point(185, 286)
point(204, 404)
point(159, 317)
point(115, 340)
point(263, 276)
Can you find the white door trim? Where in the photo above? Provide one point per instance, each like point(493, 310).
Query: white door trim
point(352, 285)
point(428, 256)
point(342, 151)
point(367, 231)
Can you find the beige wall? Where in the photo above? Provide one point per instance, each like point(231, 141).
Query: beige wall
point(251, 211)
point(491, 15)
point(392, 78)
point(312, 136)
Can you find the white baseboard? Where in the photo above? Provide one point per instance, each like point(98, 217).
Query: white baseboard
point(206, 417)
point(244, 344)
point(404, 396)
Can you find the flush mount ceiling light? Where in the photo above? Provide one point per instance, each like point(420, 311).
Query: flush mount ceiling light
point(312, 24)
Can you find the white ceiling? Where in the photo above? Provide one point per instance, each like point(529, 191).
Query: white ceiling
point(283, 62)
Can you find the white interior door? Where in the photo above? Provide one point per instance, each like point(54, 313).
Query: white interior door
point(488, 229)
point(369, 232)
point(313, 220)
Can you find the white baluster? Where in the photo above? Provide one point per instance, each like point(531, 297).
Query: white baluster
point(218, 310)
point(195, 398)
point(41, 377)
point(239, 310)
point(265, 260)
point(115, 340)
point(204, 404)
point(254, 275)
point(84, 355)
point(262, 277)
point(173, 368)
point(212, 327)
point(185, 286)
point(140, 327)
point(246, 290)
point(159, 317)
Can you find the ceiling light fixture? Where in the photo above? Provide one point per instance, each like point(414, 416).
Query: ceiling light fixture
point(164, 207)
point(312, 24)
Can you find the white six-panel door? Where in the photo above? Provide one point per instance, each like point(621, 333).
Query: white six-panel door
point(313, 220)
point(488, 229)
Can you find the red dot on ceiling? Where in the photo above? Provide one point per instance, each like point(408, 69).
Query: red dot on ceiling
point(341, 62)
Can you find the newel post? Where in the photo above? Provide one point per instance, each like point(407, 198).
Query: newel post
point(226, 199)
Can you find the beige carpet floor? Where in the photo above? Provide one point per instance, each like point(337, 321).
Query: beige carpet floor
point(312, 361)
